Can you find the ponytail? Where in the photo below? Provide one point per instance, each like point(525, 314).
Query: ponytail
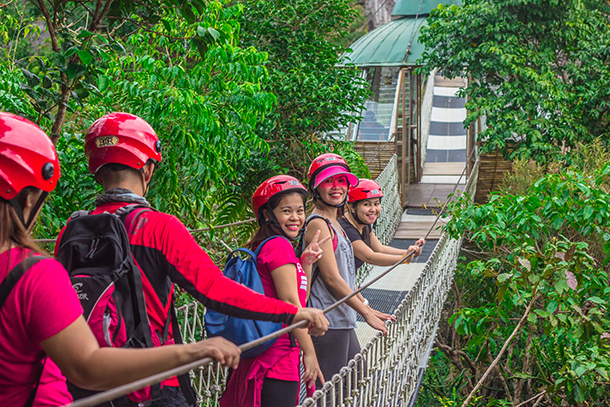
point(12, 230)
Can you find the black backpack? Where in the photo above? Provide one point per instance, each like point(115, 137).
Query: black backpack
point(96, 252)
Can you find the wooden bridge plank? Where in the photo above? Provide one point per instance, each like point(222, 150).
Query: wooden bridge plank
point(415, 230)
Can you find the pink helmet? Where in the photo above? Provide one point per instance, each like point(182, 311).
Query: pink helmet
point(366, 189)
point(326, 166)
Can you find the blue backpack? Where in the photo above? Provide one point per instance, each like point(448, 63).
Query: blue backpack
point(237, 330)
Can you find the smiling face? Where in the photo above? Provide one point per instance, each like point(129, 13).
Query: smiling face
point(290, 214)
point(368, 210)
point(333, 190)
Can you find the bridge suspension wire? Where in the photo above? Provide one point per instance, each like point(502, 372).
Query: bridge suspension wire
point(159, 377)
point(226, 225)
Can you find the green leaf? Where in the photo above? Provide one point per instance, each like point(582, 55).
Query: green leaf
point(32, 79)
point(588, 211)
point(75, 71)
point(214, 33)
point(103, 82)
point(85, 56)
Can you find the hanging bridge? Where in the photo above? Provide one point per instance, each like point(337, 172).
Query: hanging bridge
point(388, 369)
point(414, 142)
point(416, 182)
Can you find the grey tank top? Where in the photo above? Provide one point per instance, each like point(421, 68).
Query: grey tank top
point(321, 296)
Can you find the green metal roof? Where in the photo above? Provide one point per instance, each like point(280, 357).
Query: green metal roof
point(387, 45)
point(418, 8)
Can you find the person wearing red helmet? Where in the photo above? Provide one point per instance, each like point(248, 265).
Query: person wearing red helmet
point(42, 329)
point(334, 277)
point(272, 378)
point(123, 151)
point(363, 209)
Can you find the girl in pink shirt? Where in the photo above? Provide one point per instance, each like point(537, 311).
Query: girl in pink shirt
point(41, 326)
point(272, 378)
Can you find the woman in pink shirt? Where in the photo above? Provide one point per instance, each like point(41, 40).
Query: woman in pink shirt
point(272, 378)
point(40, 314)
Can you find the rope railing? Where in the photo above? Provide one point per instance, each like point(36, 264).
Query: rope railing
point(386, 371)
point(391, 214)
point(380, 373)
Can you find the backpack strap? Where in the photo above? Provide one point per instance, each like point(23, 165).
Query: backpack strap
point(15, 274)
point(316, 271)
point(130, 222)
point(260, 246)
point(6, 287)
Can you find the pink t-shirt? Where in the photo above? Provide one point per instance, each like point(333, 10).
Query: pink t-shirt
point(276, 253)
point(42, 304)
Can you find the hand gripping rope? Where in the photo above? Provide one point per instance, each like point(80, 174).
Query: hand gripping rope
point(159, 377)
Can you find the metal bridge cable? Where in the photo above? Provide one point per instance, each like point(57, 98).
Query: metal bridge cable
point(413, 31)
point(390, 140)
point(452, 192)
point(159, 377)
point(190, 230)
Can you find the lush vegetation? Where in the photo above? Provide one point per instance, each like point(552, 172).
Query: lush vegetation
point(230, 110)
point(527, 321)
point(528, 314)
point(539, 70)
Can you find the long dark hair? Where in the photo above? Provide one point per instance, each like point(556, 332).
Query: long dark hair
point(12, 231)
point(266, 230)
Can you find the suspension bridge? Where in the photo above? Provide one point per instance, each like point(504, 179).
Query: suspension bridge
point(413, 139)
point(389, 369)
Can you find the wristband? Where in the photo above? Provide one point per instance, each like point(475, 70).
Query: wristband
point(365, 302)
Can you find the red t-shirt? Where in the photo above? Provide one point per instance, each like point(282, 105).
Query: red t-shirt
point(276, 253)
point(42, 304)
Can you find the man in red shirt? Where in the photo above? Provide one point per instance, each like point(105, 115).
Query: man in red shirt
point(123, 151)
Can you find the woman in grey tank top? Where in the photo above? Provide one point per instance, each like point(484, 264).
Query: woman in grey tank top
point(334, 277)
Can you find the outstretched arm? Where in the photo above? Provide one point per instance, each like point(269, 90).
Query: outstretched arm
point(77, 353)
point(189, 266)
point(378, 247)
point(285, 281)
point(330, 273)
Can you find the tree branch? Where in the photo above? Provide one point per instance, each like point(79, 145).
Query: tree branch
point(497, 359)
point(142, 27)
point(537, 397)
point(39, 4)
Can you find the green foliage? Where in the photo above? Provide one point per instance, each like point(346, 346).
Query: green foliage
point(180, 66)
point(315, 97)
point(548, 247)
point(539, 70)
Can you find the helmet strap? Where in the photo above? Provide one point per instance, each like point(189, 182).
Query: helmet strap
point(355, 216)
point(276, 225)
point(316, 195)
point(146, 185)
point(34, 212)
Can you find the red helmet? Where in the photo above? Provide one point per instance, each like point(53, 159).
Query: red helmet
point(326, 166)
point(27, 157)
point(273, 186)
point(121, 138)
point(366, 189)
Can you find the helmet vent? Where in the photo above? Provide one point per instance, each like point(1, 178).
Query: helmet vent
point(47, 171)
